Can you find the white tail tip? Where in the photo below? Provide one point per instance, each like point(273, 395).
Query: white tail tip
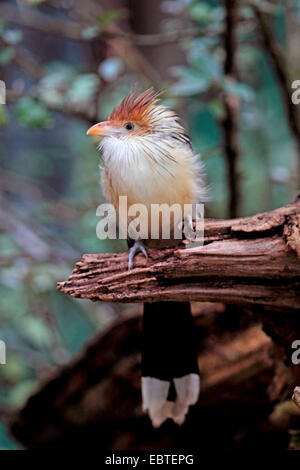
point(155, 394)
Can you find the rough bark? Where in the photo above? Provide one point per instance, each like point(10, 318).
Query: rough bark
point(246, 261)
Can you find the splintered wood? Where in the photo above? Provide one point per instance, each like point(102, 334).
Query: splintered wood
point(245, 261)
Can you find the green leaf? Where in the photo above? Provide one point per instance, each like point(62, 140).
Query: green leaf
point(3, 116)
point(200, 12)
point(15, 368)
point(6, 55)
point(217, 108)
point(21, 392)
point(54, 85)
point(35, 330)
point(110, 16)
point(13, 303)
point(83, 87)
point(240, 89)
point(190, 82)
point(33, 114)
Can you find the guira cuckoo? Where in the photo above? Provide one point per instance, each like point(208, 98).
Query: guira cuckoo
point(148, 157)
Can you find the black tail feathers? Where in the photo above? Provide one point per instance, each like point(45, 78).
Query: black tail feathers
point(170, 374)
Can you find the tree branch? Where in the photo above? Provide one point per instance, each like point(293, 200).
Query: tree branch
point(276, 55)
point(231, 102)
point(32, 19)
point(244, 261)
point(160, 39)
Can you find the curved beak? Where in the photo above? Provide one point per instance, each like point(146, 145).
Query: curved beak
point(102, 129)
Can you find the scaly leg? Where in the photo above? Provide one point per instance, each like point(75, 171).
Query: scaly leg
point(136, 248)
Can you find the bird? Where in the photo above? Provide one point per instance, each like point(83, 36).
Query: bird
point(149, 158)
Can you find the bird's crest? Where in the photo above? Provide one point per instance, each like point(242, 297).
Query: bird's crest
point(135, 107)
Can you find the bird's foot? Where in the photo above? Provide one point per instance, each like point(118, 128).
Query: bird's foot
point(136, 248)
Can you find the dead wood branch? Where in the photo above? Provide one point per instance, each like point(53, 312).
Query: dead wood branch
point(244, 261)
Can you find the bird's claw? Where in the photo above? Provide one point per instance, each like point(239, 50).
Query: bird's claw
point(136, 248)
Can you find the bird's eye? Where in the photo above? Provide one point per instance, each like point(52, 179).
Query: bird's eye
point(129, 126)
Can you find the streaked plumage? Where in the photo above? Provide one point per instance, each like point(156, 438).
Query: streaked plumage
point(148, 157)
point(153, 163)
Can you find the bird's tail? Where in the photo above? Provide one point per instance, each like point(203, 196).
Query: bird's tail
point(170, 374)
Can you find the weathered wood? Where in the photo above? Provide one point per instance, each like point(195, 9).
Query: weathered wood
point(245, 261)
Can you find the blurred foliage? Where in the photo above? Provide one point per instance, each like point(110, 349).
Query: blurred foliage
point(49, 187)
point(32, 113)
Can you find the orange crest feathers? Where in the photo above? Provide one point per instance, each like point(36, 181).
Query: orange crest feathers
point(135, 107)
